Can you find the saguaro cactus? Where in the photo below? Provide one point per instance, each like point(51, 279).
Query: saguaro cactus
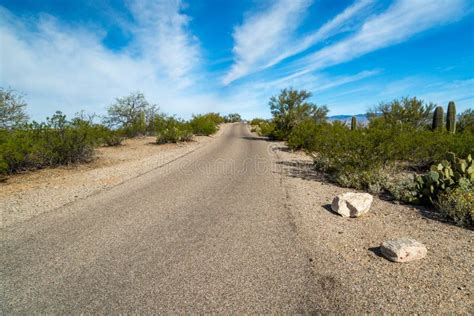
point(451, 118)
point(438, 118)
point(353, 123)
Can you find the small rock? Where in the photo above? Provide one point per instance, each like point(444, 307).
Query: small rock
point(403, 250)
point(352, 204)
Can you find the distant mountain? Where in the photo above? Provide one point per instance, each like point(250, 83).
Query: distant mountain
point(361, 118)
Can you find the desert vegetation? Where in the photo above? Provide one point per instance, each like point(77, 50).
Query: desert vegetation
point(409, 150)
point(28, 145)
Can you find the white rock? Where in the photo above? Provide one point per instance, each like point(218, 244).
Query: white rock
point(403, 250)
point(352, 204)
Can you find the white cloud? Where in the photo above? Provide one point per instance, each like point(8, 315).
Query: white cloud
point(59, 66)
point(345, 21)
point(267, 38)
point(314, 82)
point(437, 90)
point(263, 34)
point(401, 21)
point(163, 38)
point(459, 91)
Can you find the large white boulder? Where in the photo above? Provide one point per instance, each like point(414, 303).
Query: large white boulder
point(403, 250)
point(352, 204)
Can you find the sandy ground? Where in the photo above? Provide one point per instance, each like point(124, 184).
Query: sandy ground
point(24, 196)
point(345, 255)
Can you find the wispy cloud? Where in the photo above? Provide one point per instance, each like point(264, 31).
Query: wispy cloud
point(314, 82)
point(343, 22)
point(437, 90)
point(68, 67)
point(163, 37)
point(267, 38)
point(262, 34)
point(398, 23)
point(60, 65)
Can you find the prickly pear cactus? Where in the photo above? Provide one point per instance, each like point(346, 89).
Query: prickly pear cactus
point(446, 175)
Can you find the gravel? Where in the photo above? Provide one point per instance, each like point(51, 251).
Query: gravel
point(30, 194)
point(345, 253)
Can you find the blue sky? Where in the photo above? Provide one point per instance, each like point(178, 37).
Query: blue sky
point(231, 56)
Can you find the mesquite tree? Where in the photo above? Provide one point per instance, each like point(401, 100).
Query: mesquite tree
point(12, 109)
point(291, 107)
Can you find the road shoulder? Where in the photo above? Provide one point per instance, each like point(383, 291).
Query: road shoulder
point(345, 257)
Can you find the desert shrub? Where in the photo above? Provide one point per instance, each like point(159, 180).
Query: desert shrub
point(410, 112)
point(339, 149)
point(214, 117)
point(55, 142)
point(267, 128)
point(65, 142)
point(420, 148)
point(360, 158)
point(203, 124)
point(3, 169)
point(17, 151)
point(303, 135)
point(466, 122)
point(262, 127)
point(457, 205)
point(374, 147)
point(403, 190)
point(257, 121)
point(232, 118)
point(108, 137)
point(172, 130)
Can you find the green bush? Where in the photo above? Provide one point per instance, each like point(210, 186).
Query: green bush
point(232, 118)
point(267, 128)
point(109, 137)
point(466, 122)
point(409, 112)
point(55, 142)
point(204, 124)
point(360, 158)
point(3, 169)
point(215, 117)
point(457, 205)
point(257, 121)
point(171, 130)
point(303, 135)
